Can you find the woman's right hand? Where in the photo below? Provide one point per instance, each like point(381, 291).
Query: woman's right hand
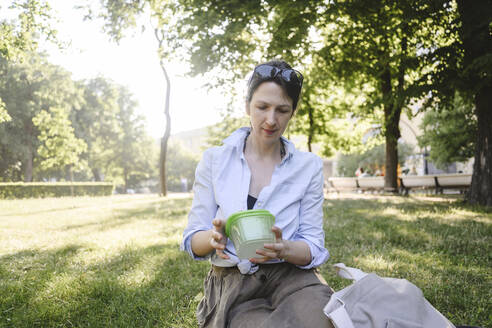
point(219, 239)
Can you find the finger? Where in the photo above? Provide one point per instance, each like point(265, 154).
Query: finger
point(217, 223)
point(258, 260)
point(222, 254)
point(218, 237)
point(270, 255)
point(278, 232)
point(217, 245)
point(278, 247)
point(219, 249)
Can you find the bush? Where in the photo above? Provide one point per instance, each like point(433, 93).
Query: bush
point(54, 189)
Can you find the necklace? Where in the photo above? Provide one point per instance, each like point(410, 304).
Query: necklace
point(282, 146)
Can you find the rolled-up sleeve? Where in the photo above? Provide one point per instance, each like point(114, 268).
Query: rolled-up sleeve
point(311, 219)
point(204, 206)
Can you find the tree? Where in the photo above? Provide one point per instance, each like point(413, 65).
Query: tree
point(476, 37)
point(58, 147)
point(135, 155)
point(19, 36)
point(96, 122)
point(118, 147)
point(450, 134)
point(29, 88)
point(462, 65)
point(368, 46)
point(375, 46)
point(120, 15)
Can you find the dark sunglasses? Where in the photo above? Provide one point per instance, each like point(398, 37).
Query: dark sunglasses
point(291, 76)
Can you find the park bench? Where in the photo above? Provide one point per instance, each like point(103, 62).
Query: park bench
point(458, 181)
point(425, 182)
point(437, 183)
point(371, 183)
point(343, 184)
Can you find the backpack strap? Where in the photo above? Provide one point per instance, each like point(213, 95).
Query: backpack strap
point(340, 317)
point(348, 272)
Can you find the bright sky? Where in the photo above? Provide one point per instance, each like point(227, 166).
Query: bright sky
point(134, 64)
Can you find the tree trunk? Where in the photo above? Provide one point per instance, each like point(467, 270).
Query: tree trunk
point(481, 186)
point(477, 42)
point(30, 155)
point(391, 161)
point(125, 177)
point(392, 112)
point(28, 166)
point(167, 131)
point(69, 173)
point(391, 132)
point(96, 174)
point(311, 128)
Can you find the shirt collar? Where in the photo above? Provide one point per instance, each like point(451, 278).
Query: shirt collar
point(236, 140)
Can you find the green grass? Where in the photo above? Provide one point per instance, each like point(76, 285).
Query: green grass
point(115, 261)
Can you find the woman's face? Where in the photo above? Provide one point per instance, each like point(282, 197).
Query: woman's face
point(270, 110)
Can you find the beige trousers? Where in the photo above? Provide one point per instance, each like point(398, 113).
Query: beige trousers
point(277, 295)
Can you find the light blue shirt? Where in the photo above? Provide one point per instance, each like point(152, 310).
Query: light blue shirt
point(294, 197)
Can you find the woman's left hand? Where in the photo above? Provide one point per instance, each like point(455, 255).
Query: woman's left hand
point(276, 251)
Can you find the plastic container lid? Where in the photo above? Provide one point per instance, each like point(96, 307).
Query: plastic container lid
point(236, 216)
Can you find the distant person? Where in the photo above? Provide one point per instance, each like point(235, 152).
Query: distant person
point(257, 168)
point(359, 171)
point(413, 171)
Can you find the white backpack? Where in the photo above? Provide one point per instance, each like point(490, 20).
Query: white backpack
point(375, 302)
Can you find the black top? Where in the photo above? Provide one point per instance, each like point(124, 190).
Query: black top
point(251, 202)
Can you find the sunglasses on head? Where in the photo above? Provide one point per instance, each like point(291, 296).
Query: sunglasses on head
point(291, 76)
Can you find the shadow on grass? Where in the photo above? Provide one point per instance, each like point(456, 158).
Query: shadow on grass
point(81, 286)
point(50, 210)
point(138, 287)
point(165, 209)
point(442, 247)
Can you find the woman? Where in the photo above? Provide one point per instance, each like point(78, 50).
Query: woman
point(257, 168)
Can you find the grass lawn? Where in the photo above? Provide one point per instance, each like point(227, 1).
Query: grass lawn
point(115, 261)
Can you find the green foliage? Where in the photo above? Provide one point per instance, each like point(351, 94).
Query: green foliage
point(218, 132)
point(4, 115)
point(119, 16)
point(21, 35)
point(54, 189)
point(462, 61)
point(136, 153)
point(27, 89)
point(371, 160)
point(372, 50)
point(58, 146)
point(65, 129)
point(96, 122)
point(180, 164)
point(450, 134)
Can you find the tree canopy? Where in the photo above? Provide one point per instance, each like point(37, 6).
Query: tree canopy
point(20, 35)
point(65, 129)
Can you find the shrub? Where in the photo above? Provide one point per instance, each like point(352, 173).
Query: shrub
point(54, 189)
